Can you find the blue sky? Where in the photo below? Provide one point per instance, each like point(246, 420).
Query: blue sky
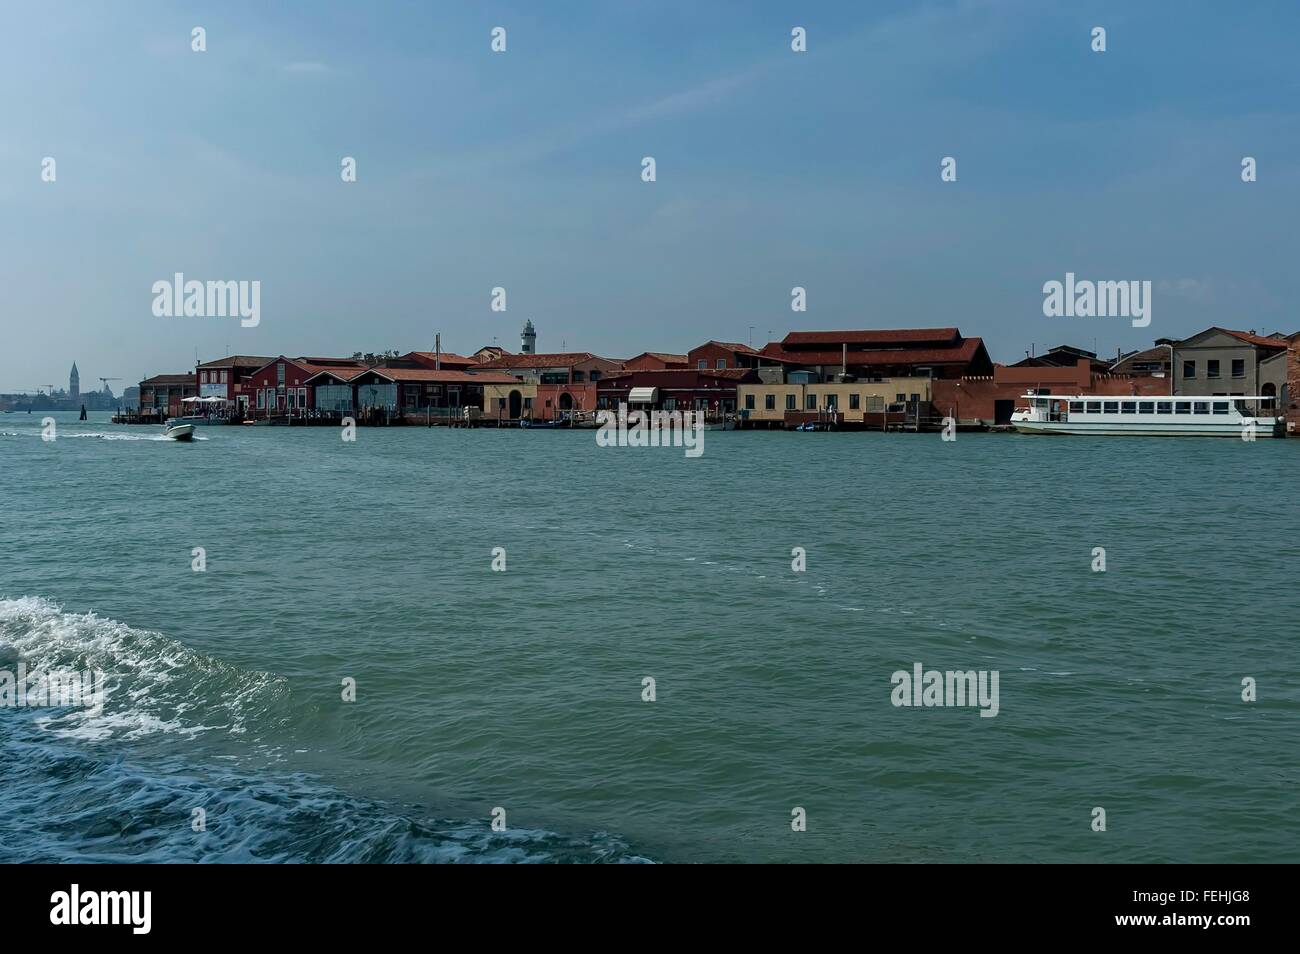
point(522, 170)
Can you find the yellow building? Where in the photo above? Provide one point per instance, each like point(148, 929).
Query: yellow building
point(853, 399)
point(509, 401)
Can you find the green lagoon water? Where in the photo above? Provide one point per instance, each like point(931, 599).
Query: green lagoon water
point(478, 689)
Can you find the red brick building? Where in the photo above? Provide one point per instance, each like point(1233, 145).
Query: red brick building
point(280, 386)
point(227, 378)
point(721, 356)
point(990, 399)
point(897, 352)
point(161, 395)
point(656, 361)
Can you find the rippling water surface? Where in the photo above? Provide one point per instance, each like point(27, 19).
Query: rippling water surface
point(522, 690)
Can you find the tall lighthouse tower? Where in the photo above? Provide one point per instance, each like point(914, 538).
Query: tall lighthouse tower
point(528, 340)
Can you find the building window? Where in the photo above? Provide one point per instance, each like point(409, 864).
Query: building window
point(1212, 368)
point(261, 398)
point(1189, 369)
point(577, 377)
point(593, 375)
point(914, 398)
point(1238, 367)
point(223, 377)
point(832, 401)
point(769, 402)
point(722, 364)
point(702, 364)
point(811, 403)
point(900, 398)
point(790, 402)
point(875, 402)
point(855, 402)
point(749, 402)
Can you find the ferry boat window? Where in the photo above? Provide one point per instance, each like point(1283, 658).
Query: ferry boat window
point(1182, 407)
point(1201, 407)
point(1094, 407)
point(1164, 407)
point(1129, 407)
point(1110, 407)
point(1145, 407)
point(1220, 407)
point(1076, 407)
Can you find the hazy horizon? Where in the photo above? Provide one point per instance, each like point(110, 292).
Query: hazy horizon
point(522, 170)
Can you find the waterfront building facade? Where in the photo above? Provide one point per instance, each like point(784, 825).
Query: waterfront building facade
point(675, 389)
point(1223, 361)
point(796, 399)
point(564, 382)
point(279, 388)
point(227, 378)
point(161, 396)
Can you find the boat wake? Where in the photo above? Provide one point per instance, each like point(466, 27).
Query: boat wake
point(81, 790)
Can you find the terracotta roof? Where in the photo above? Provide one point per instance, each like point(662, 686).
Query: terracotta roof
point(312, 367)
point(1158, 353)
point(661, 355)
point(961, 354)
point(884, 336)
point(1249, 338)
point(238, 361)
point(732, 345)
point(729, 373)
point(554, 360)
point(187, 378)
point(446, 357)
point(445, 375)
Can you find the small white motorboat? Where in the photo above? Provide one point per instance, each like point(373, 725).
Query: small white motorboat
point(179, 432)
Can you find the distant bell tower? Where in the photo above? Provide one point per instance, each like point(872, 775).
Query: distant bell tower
point(528, 340)
point(74, 381)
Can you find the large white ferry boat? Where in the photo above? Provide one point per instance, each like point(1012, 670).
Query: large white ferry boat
point(1116, 415)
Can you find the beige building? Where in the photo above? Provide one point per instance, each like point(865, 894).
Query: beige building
point(1222, 361)
point(769, 402)
point(509, 401)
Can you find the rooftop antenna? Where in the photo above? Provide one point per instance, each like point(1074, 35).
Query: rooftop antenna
point(751, 336)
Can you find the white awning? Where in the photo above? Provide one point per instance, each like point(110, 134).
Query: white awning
point(643, 396)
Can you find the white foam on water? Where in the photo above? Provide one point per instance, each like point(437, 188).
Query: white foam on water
point(152, 684)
